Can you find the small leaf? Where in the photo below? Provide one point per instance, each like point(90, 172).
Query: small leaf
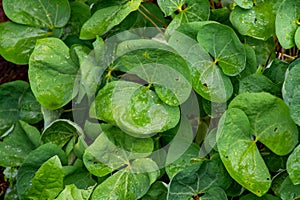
point(47, 181)
point(42, 13)
point(108, 18)
point(257, 22)
point(129, 183)
point(52, 73)
point(221, 42)
point(287, 19)
point(17, 105)
point(71, 192)
point(291, 90)
point(293, 167)
point(60, 132)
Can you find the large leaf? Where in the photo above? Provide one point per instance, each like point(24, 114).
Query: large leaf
point(246, 4)
point(114, 149)
point(254, 197)
point(18, 144)
point(32, 163)
point(130, 183)
point(221, 42)
point(287, 22)
point(257, 22)
point(60, 132)
point(42, 13)
point(17, 102)
point(254, 117)
point(52, 74)
point(208, 80)
point(71, 192)
point(105, 19)
point(47, 181)
point(291, 90)
point(157, 64)
point(134, 108)
point(199, 179)
point(293, 166)
point(158, 191)
point(17, 41)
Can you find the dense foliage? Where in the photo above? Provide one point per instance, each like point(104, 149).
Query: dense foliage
point(166, 99)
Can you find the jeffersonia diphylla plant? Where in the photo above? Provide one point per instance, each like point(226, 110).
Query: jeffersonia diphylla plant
point(167, 99)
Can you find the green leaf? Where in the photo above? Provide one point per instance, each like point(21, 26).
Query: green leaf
point(257, 22)
point(60, 132)
point(18, 144)
point(254, 197)
point(269, 119)
point(130, 183)
point(47, 181)
point(287, 22)
point(291, 90)
point(17, 103)
point(184, 161)
point(32, 163)
point(199, 179)
point(259, 83)
point(52, 74)
point(114, 149)
point(288, 190)
point(254, 117)
point(208, 80)
point(42, 13)
point(297, 38)
point(221, 42)
point(240, 154)
point(17, 41)
point(134, 108)
point(246, 4)
point(108, 18)
point(293, 167)
point(157, 191)
point(71, 192)
point(157, 64)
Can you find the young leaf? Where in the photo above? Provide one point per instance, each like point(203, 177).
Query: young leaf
point(287, 22)
point(33, 162)
point(52, 74)
point(17, 41)
point(221, 42)
point(114, 149)
point(71, 192)
point(134, 108)
point(60, 132)
point(108, 18)
point(47, 181)
point(257, 22)
point(43, 13)
point(291, 90)
point(17, 105)
point(132, 182)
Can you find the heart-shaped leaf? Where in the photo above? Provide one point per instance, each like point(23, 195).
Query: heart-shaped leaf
point(221, 42)
point(52, 74)
point(43, 13)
